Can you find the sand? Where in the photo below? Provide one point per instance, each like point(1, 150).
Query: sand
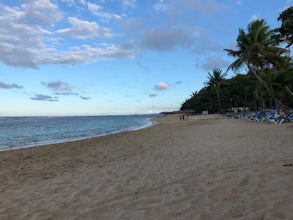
point(207, 167)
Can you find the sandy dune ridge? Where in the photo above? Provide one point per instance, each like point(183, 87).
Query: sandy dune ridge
point(207, 167)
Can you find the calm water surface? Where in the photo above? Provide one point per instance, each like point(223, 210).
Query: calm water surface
point(20, 132)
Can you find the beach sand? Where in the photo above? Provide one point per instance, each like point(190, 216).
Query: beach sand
point(207, 167)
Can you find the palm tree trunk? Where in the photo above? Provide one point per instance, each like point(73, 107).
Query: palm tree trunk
point(289, 90)
point(219, 102)
point(278, 103)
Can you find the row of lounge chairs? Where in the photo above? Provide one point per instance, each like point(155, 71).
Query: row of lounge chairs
point(265, 115)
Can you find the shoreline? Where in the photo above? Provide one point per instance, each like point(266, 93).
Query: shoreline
point(200, 168)
point(55, 141)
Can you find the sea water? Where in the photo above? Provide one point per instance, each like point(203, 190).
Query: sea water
point(22, 132)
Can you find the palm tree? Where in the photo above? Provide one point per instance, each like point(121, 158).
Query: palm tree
point(285, 31)
point(216, 79)
point(258, 50)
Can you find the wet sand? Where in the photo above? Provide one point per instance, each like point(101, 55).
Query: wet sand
point(207, 167)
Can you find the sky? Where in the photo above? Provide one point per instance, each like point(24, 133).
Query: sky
point(101, 57)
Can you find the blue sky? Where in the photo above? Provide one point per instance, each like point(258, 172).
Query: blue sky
point(80, 57)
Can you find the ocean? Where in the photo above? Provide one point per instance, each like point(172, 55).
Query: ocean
point(23, 132)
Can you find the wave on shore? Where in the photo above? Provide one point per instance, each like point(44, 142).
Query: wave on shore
point(22, 132)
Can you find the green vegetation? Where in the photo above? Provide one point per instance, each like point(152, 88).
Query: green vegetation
point(269, 80)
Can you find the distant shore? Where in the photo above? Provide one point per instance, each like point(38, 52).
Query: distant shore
point(206, 167)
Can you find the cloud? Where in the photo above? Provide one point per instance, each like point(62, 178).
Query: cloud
point(10, 86)
point(134, 26)
point(162, 86)
point(22, 31)
point(69, 2)
point(87, 53)
point(29, 37)
point(161, 6)
point(174, 34)
point(37, 11)
point(205, 44)
point(128, 4)
point(85, 98)
point(27, 43)
point(58, 86)
point(153, 95)
point(215, 62)
point(202, 6)
point(82, 29)
point(166, 38)
point(63, 89)
point(97, 11)
point(83, 2)
point(254, 18)
point(178, 82)
point(66, 93)
point(127, 50)
point(40, 97)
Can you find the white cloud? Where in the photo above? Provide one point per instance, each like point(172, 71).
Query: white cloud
point(31, 34)
point(160, 6)
point(87, 53)
point(254, 18)
point(11, 14)
point(128, 3)
point(114, 51)
point(84, 30)
point(69, 2)
point(22, 31)
point(83, 2)
point(164, 7)
point(97, 11)
point(37, 11)
point(16, 56)
point(162, 86)
point(215, 62)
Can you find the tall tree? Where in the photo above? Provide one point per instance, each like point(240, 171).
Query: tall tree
point(258, 51)
point(216, 79)
point(286, 30)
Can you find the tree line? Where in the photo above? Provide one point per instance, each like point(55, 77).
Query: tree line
point(268, 82)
